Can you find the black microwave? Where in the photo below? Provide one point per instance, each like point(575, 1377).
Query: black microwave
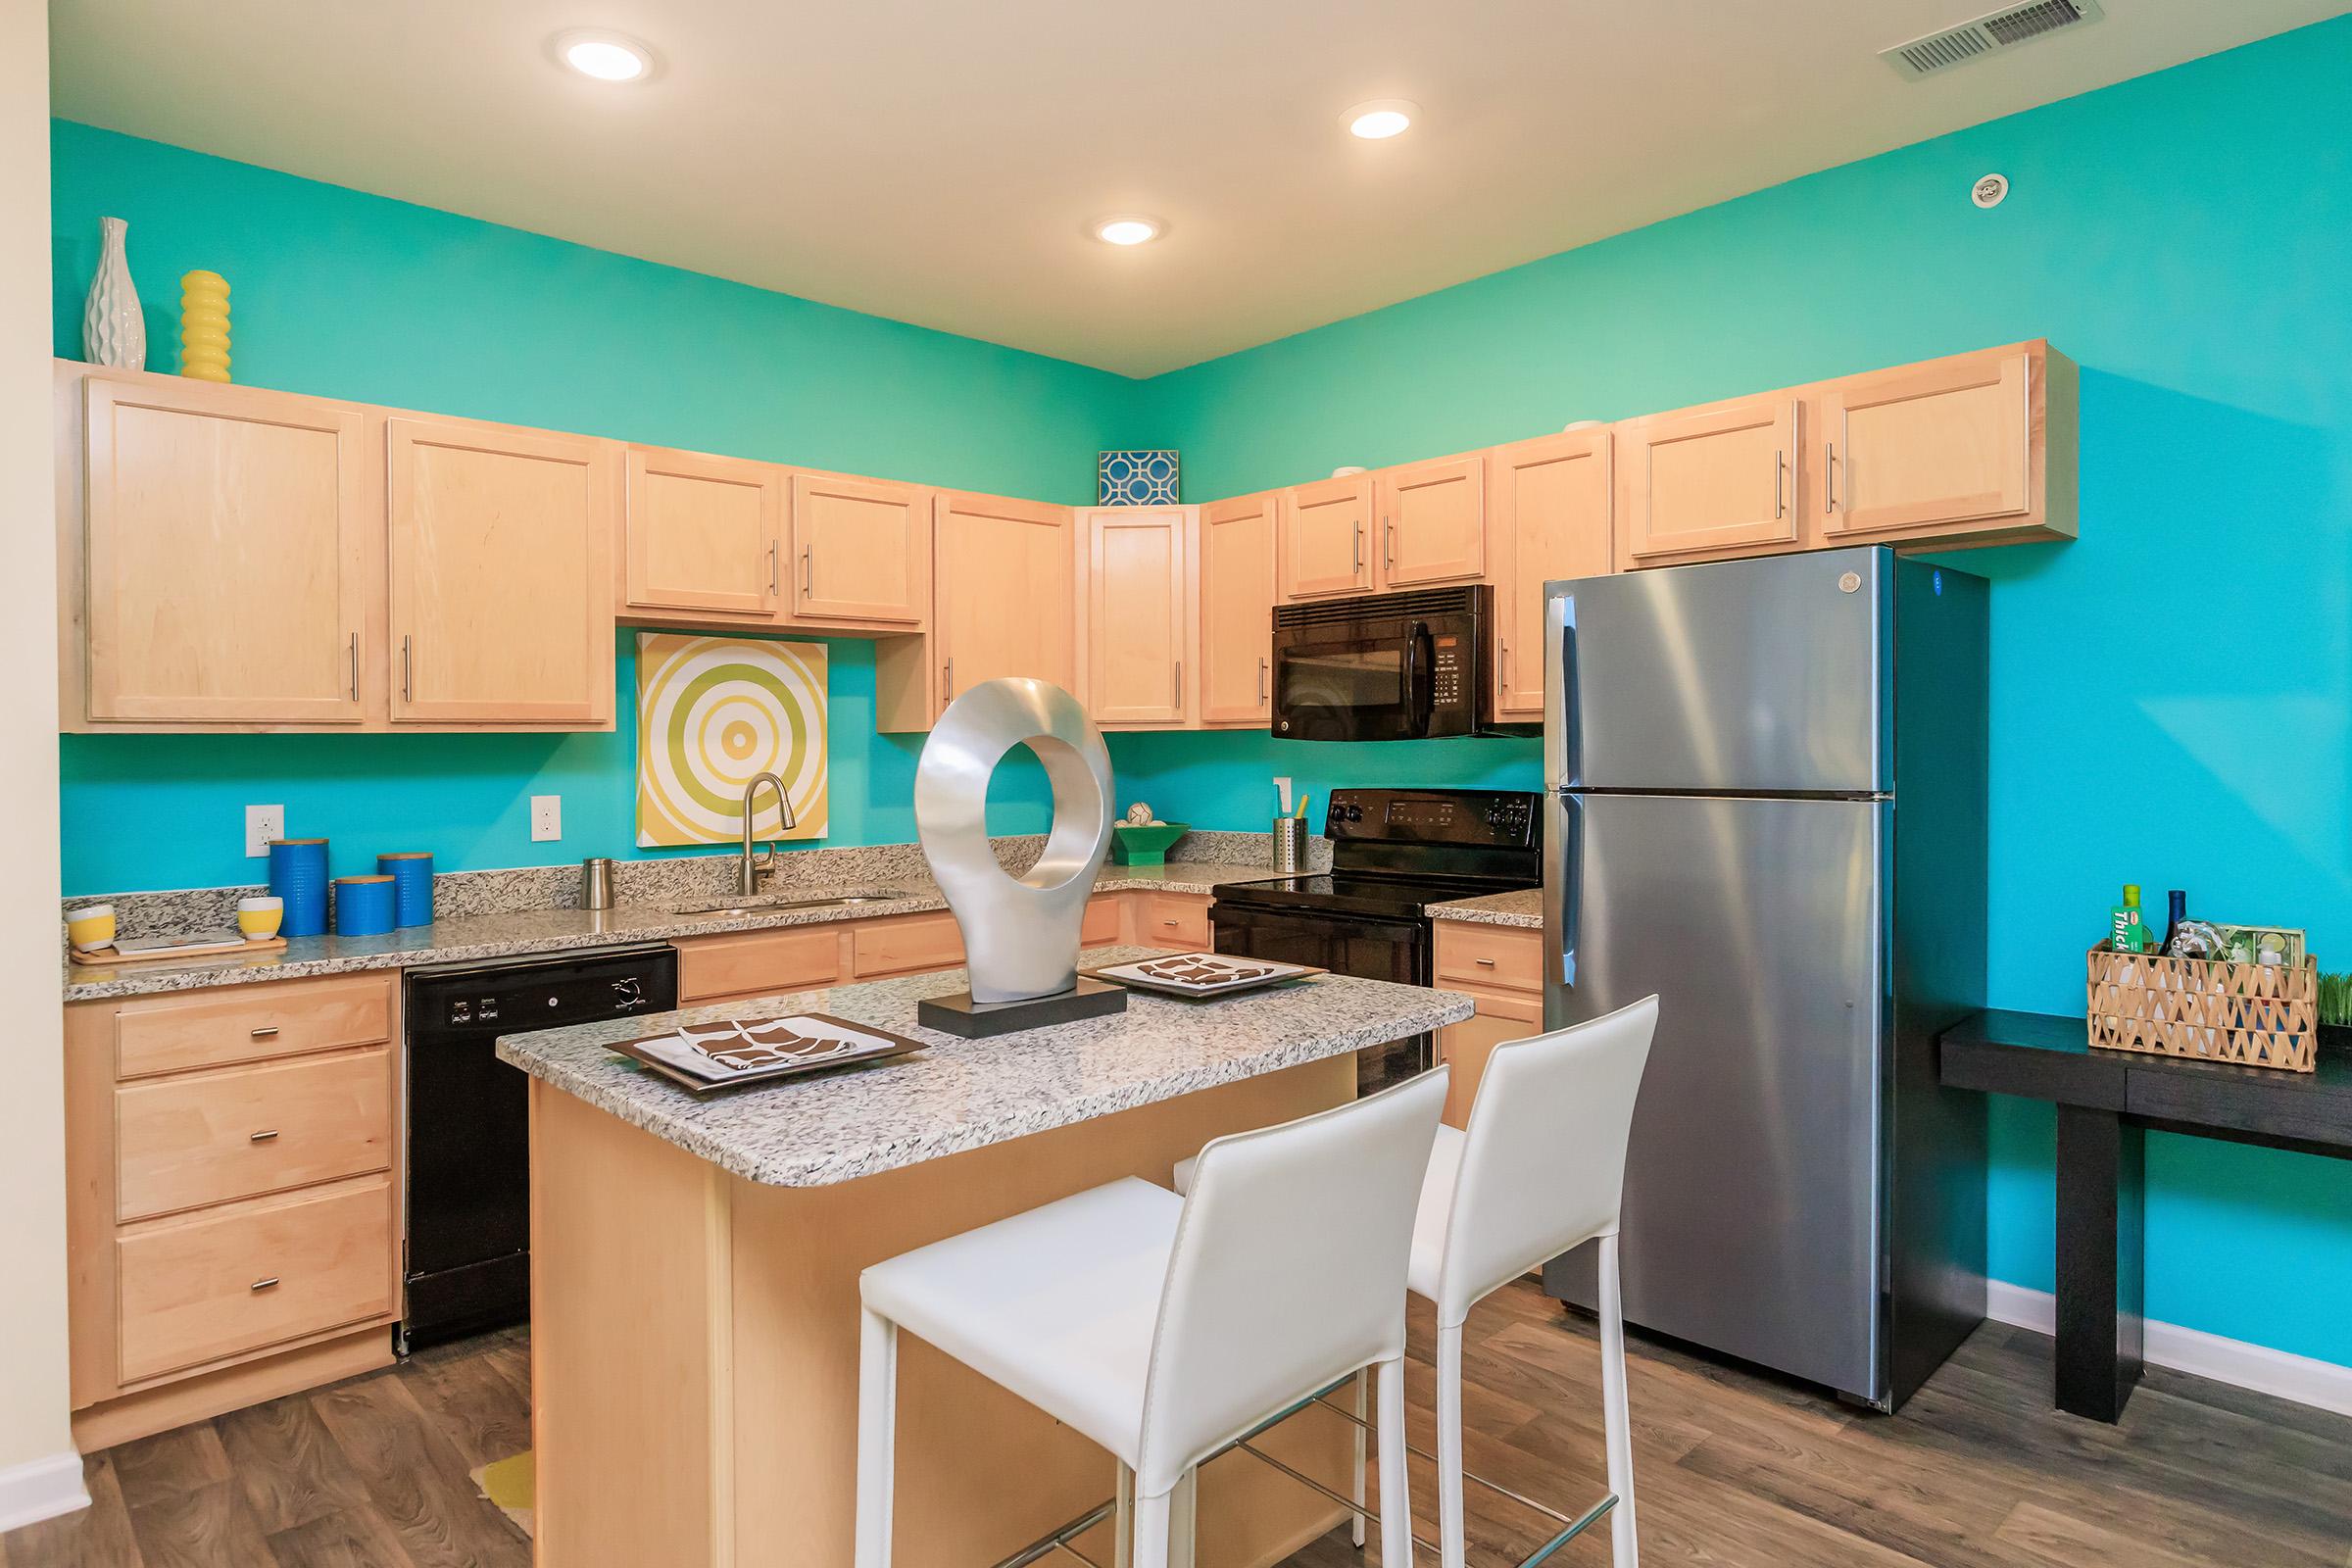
point(1389, 668)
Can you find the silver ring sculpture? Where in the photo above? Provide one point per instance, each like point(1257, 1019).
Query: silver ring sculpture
point(1020, 935)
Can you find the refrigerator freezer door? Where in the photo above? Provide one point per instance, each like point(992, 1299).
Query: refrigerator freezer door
point(1731, 676)
point(1752, 1182)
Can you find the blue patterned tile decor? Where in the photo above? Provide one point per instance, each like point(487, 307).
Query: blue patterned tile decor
point(1138, 479)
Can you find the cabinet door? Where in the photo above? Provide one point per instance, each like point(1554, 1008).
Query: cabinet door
point(704, 533)
point(1710, 482)
point(860, 550)
point(1138, 607)
point(1433, 521)
point(1004, 597)
point(1325, 544)
point(501, 596)
point(1548, 503)
point(1937, 444)
point(231, 538)
point(1466, 1046)
point(1236, 611)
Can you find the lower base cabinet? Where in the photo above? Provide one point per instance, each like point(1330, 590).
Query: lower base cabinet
point(1501, 970)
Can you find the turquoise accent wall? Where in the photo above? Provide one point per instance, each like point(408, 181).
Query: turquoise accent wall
point(2172, 698)
point(2172, 694)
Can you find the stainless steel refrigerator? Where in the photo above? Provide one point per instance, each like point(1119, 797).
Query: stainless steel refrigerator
point(1768, 806)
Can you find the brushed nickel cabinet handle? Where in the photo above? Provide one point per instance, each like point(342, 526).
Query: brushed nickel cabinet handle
point(1779, 483)
point(1829, 477)
point(262, 1137)
point(355, 666)
point(265, 1032)
point(1485, 963)
point(950, 678)
point(1178, 697)
point(1359, 549)
point(262, 1284)
point(1261, 679)
point(1167, 923)
point(807, 571)
point(408, 672)
point(1387, 543)
point(1506, 666)
point(775, 570)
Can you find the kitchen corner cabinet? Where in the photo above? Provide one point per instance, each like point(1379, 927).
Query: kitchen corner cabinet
point(1711, 482)
point(1548, 503)
point(229, 550)
point(1236, 605)
point(1140, 585)
point(1433, 521)
point(1326, 539)
point(1004, 597)
point(860, 552)
point(704, 535)
point(501, 575)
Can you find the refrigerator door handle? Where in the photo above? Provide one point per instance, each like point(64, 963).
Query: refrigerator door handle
point(1563, 894)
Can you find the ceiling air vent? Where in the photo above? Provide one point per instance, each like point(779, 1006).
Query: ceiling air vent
point(1988, 34)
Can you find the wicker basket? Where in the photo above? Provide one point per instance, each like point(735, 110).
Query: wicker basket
point(2254, 1015)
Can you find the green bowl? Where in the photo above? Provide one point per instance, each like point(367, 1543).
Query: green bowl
point(1145, 846)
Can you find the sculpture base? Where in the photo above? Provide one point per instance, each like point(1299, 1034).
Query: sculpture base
point(959, 1014)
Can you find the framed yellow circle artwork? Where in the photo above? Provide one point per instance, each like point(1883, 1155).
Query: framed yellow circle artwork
point(714, 712)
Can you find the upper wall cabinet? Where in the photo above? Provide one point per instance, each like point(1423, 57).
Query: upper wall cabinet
point(1548, 504)
point(1005, 592)
point(1712, 482)
point(1326, 530)
point(704, 535)
point(1957, 443)
point(1139, 614)
point(861, 552)
point(1237, 610)
point(229, 539)
point(501, 568)
point(1433, 521)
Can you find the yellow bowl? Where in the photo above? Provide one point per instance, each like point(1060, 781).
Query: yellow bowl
point(91, 929)
point(260, 923)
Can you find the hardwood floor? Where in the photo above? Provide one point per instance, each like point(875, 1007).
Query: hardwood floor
point(1732, 1468)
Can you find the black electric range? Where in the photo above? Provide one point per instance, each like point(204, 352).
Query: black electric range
point(1393, 852)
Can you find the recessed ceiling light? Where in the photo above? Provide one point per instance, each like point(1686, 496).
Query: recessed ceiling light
point(604, 56)
point(1380, 119)
point(1127, 230)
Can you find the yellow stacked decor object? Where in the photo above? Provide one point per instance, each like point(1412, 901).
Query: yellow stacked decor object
point(204, 325)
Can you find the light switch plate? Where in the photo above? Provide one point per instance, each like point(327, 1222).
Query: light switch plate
point(261, 824)
point(547, 817)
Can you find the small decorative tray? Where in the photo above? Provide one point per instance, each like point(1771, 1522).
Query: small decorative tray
point(726, 1055)
point(1201, 976)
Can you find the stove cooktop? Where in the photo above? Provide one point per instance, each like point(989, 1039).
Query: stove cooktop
point(1400, 895)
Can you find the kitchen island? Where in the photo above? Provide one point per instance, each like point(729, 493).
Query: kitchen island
point(694, 1266)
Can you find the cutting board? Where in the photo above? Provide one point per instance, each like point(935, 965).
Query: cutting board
point(111, 960)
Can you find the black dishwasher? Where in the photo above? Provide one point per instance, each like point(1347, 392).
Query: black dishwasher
point(468, 1259)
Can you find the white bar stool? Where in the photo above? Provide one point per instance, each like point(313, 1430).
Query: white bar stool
point(1166, 1328)
point(1540, 1170)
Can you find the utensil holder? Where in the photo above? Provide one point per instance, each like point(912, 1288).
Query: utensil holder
point(596, 882)
point(1290, 845)
point(411, 874)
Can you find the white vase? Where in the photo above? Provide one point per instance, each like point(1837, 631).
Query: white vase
point(113, 331)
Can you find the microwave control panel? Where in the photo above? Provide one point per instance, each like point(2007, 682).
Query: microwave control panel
point(1445, 666)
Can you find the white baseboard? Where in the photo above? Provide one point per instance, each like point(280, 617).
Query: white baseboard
point(2323, 1385)
point(41, 1489)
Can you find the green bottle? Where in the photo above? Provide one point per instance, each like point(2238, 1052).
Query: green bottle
point(2131, 932)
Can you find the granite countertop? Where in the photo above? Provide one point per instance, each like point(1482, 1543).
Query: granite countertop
point(1523, 909)
point(470, 939)
point(957, 1093)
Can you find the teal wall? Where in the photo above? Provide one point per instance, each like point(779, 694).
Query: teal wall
point(2172, 698)
point(2172, 694)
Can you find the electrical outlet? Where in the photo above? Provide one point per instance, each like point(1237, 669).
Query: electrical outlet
point(547, 817)
point(261, 824)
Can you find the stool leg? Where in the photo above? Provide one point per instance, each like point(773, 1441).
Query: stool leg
point(1151, 1532)
point(877, 1436)
point(1184, 1510)
point(1363, 1413)
point(1451, 1549)
point(1624, 1550)
point(1123, 1544)
point(1395, 1494)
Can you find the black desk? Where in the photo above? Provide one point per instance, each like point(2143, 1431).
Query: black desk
point(2106, 1100)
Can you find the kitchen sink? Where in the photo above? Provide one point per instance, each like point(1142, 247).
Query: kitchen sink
point(725, 909)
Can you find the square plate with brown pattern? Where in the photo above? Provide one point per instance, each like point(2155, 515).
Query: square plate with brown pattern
point(1200, 975)
point(727, 1054)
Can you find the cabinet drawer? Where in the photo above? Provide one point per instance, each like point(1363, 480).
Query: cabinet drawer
point(1173, 920)
point(905, 944)
point(752, 962)
point(189, 1142)
point(1100, 923)
point(215, 1288)
point(249, 1023)
point(1510, 957)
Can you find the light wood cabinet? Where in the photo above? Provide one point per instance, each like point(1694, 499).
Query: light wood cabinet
point(1170, 920)
point(500, 573)
point(755, 963)
point(1464, 1046)
point(1139, 615)
point(860, 550)
point(1326, 539)
point(1004, 597)
point(1236, 611)
point(1501, 969)
point(188, 1141)
point(1711, 482)
point(231, 554)
point(1548, 503)
point(903, 945)
point(703, 534)
point(1433, 521)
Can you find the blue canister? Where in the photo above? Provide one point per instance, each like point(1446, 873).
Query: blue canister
point(411, 874)
point(298, 875)
point(363, 906)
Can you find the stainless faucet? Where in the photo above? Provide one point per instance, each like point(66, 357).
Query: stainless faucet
point(748, 873)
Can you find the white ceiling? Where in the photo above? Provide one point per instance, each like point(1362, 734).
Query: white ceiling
point(937, 161)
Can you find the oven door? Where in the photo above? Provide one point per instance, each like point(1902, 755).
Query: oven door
point(1337, 683)
point(1365, 945)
